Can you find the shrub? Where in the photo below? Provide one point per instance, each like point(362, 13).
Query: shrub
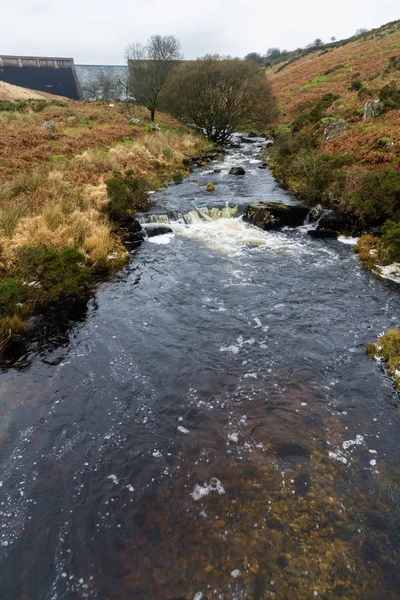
point(355, 86)
point(168, 153)
point(178, 176)
point(316, 113)
point(390, 242)
point(378, 196)
point(12, 292)
point(364, 92)
point(55, 273)
point(390, 96)
point(127, 194)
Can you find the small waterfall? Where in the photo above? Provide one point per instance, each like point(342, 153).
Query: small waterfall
point(196, 215)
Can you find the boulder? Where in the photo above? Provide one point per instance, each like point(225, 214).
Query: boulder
point(153, 230)
point(210, 186)
point(272, 215)
point(335, 221)
point(373, 108)
point(333, 130)
point(237, 171)
point(217, 170)
point(134, 121)
point(154, 127)
point(71, 121)
point(49, 126)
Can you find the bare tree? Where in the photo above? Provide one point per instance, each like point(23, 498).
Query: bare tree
point(102, 86)
point(149, 67)
point(220, 96)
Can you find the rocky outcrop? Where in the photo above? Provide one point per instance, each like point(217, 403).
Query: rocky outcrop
point(237, 171)
point(334, 129)
point(373, 108)
point(273, 215)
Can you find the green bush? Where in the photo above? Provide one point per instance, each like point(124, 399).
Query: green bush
point(178, 176)
point(12, 292)
point(378, 196)
point(390, 242)
point(390, 96)
point(127, 194)
point(355, 86)
point(55, 273)
point(316, 113)
point(364, 92)
point(168, 153)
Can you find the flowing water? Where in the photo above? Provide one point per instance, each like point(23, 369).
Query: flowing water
point(207, 425)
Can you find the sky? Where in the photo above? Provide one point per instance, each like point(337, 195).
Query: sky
point(98, 31)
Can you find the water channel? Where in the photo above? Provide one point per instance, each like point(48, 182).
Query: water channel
point(207, 425)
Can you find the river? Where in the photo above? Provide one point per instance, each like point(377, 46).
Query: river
point(207, 425)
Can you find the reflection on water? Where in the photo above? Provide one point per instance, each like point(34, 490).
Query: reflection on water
point(206, 426)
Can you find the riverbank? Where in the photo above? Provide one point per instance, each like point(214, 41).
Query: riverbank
point(70, 172)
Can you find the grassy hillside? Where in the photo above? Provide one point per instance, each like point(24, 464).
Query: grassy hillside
point(354, 73)
point(64, 191)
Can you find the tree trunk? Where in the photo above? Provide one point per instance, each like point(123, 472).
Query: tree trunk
point(153, 114)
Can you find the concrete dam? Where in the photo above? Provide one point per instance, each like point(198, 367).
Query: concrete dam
point(52, 75)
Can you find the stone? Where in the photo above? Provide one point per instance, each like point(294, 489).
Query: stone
point(333, 130)
point(49, 126)
point(210, 186)
point(373, 108)
point(262, 166)
point(273, 215)
point(315, 213)
point(154, 127)
point(237, 171)
point(335, 221)
point(134, 121)
point(153, 230)
point(71, 121)
point(217, 170)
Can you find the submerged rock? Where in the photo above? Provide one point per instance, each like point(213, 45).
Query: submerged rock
point(373, 108)
point(272, 215)
point(153, 230)
point(237, 171)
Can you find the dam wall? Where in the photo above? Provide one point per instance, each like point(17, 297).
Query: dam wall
point(44, 74)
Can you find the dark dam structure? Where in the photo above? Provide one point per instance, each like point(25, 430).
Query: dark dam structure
point(52, 75)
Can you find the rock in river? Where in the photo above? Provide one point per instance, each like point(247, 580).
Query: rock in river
point(237, 171)
point(153, 230)
point(272, 215)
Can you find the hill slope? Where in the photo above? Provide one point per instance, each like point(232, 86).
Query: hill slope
point(355, 72)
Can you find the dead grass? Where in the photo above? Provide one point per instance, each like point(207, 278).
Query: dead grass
point(60, 201)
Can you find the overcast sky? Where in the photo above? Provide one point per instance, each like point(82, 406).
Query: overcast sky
point(97, 31)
